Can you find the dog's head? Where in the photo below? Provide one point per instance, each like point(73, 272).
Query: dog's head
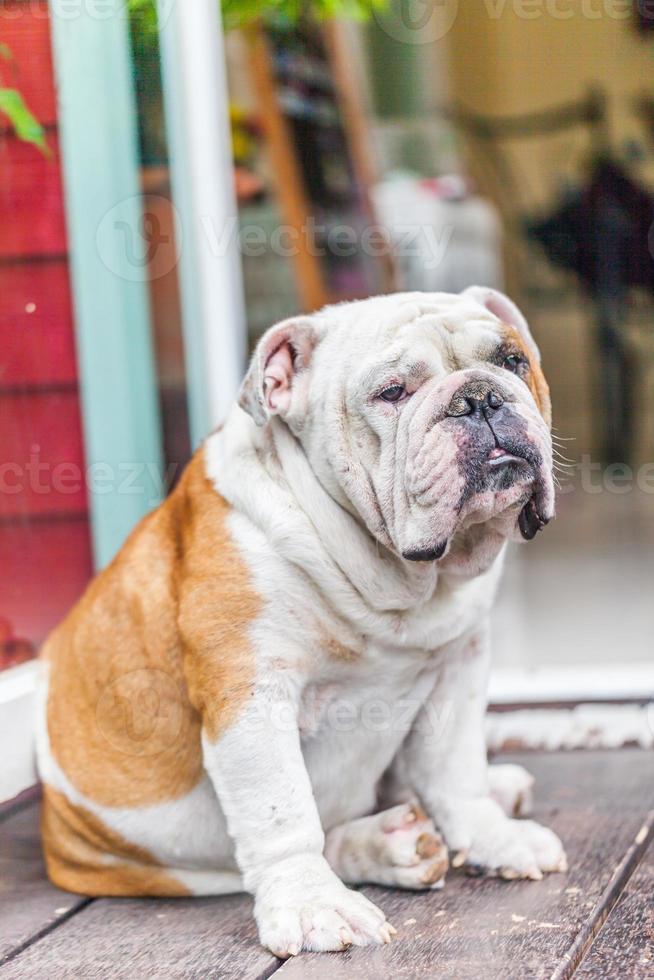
point(425, 414)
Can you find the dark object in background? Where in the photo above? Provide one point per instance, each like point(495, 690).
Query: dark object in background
point(602, 233)
point(308, 93)
point(644, 10)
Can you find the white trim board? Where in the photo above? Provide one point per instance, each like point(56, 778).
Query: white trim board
point(576, 682)
point(196, 103)
point(17, 698)
point(584, 726)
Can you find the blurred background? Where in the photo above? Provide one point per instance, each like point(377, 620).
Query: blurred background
point(172, 181)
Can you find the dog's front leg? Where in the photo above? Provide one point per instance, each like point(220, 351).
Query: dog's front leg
point(444, 758)
point(259, 775)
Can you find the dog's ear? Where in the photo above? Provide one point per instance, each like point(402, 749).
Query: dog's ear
point(279, 367)
point(506, 310)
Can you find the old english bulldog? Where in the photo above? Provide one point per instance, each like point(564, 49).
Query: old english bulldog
point(279, 683)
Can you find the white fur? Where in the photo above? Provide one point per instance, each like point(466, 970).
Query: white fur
point(512, 787)
point(461, 799)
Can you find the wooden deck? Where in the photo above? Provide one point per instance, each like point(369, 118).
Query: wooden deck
point(597, 921)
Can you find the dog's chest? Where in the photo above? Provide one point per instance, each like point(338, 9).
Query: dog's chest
point(352, 727)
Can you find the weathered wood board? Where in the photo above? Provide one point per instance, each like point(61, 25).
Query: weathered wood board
point(121, 939)
point(599, 802)
point(484, 929)
point(29, 904)
point(624, 948)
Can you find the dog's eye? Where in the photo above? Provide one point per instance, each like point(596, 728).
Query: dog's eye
point(515, 363)
point(393, 393)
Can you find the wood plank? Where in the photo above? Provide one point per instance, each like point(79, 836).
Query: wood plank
point(348, 83)
point(29, 904)
point(597, 802)
point(625, 946)
point(126, 938)
point(121, 938)
point(285, 170)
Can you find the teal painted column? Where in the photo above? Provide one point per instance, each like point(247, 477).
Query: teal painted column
point(108, 244)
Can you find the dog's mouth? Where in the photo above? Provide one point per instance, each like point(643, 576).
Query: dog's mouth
point(532, 519)
point(498, 456)
point(504, 474)
point(503, 465)
point(511, 461)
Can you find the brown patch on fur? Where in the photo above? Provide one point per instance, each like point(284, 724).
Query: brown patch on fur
point(437, 870)
point(217, 606)
point(417, 812)
point(427, 845)
point(156, 648)
point(120, 722)
point(536, 379)
point(338, 650)
point(86, 857)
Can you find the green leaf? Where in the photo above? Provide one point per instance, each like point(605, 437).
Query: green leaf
point(237, 13)
point(25, 124)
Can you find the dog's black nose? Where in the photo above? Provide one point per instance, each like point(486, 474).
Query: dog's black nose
point(477, 404)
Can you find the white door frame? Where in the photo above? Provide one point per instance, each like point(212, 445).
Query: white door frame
point(196, 105)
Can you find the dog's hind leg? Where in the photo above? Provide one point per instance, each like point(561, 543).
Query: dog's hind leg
point(207, 882)
point(397, 847)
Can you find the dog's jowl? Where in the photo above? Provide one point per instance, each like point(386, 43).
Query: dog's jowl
point(279, 684)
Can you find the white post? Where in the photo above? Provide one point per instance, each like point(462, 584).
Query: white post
point(199, 141)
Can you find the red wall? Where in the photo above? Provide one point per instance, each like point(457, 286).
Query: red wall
point(45, 557)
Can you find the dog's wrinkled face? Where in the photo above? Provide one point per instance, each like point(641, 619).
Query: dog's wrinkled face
point(425, 414)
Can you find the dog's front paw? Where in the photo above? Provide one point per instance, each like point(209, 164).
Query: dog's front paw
point(302, 905)
point(489, 842)
point(512, 787)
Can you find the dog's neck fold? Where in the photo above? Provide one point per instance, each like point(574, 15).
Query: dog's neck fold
point(384, 582)
point(265, 475)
